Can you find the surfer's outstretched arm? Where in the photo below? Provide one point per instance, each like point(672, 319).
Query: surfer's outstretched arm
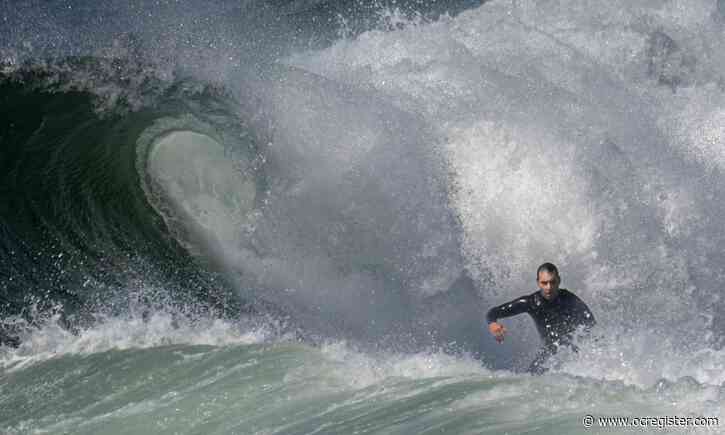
point(517, 306)
point(512, 308)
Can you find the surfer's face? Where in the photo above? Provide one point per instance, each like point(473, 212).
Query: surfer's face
point(549, 284)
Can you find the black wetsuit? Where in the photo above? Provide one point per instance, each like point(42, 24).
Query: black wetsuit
point(555, 320)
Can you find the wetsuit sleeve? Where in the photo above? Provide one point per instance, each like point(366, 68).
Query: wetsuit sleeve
point(517, 306)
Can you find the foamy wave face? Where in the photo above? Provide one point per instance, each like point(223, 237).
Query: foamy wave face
point(696, 122)
point(496, 394)
point(359, 370)
point(519, 200)
point(643, 358)
point(579, 132)
point(154, 329)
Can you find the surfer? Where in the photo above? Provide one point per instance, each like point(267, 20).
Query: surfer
point(557, 313)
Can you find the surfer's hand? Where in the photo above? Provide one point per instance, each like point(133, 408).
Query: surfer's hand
point(497, 330)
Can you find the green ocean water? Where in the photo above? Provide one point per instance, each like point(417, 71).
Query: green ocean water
point(290, 388)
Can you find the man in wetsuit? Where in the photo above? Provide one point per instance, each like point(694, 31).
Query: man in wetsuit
point(557, 314)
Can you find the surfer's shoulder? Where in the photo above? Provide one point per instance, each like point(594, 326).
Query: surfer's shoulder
point(568, 294)
point(534, 299)
point(570, 297)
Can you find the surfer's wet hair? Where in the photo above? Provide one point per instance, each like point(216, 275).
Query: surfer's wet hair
point(548, 267)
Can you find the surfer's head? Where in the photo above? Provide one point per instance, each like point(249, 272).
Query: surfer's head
point(547, 276)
